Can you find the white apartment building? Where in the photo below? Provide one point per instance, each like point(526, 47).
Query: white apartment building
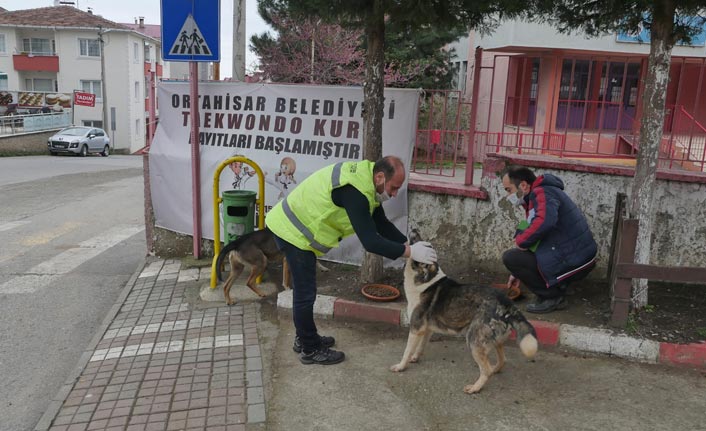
point(57, 50)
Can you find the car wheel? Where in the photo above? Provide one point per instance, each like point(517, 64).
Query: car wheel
point(53, 153)
point(84, 151)
point(106, 151)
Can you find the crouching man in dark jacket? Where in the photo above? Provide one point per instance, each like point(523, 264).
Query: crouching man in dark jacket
point(554, 245)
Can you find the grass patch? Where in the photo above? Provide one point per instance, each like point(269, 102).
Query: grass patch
point(631, 325)
point(190, 262)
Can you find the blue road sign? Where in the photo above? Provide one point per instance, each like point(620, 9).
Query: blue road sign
point(191, 30)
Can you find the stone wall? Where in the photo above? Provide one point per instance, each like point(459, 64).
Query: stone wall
point(26, 143)
point(469, 232)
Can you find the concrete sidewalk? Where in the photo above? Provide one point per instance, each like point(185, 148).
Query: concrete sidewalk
point(166, 360)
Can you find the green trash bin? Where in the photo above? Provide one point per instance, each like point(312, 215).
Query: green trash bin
point(238, 213)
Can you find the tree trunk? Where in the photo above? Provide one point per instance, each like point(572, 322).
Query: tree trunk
point(651, 131)
point(373, 104)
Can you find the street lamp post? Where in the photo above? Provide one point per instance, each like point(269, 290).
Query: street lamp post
point(103, 84)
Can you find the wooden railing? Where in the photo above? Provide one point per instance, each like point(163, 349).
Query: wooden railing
point(623, 269)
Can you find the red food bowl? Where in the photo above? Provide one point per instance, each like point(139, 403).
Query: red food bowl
point(513, 293)
point(380, 292)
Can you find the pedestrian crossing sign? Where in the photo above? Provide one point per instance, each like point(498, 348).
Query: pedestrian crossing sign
point(190, 30)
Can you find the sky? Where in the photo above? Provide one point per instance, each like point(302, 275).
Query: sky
point(126, 11)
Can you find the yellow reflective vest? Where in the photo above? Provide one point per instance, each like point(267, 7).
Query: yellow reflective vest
point(308, 219)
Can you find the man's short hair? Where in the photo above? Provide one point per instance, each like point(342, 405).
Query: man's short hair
point(388, 165)
point(517, 174)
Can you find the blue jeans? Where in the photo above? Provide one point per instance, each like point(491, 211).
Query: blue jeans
point(302, 265)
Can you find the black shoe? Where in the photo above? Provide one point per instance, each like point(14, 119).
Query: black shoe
point(323, 356)
point(325, 342)
point(548, 305)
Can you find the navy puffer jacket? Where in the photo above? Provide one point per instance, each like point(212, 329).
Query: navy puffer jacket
point(566, 244)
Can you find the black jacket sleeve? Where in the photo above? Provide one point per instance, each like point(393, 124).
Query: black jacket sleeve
point(377, 234)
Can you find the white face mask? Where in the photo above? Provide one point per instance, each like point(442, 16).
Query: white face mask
point(382, 197)
point(514, 199)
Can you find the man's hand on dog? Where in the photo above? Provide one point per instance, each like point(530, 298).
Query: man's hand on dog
point(422, 252)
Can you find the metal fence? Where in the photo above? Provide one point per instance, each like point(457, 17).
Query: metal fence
point(445, 143)
point(13, 124)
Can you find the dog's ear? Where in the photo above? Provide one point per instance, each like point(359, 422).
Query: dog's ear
point(414, 236)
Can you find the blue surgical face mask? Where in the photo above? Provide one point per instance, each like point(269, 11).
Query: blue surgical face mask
point(382, 197)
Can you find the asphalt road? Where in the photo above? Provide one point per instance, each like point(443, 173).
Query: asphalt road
point(71, 236)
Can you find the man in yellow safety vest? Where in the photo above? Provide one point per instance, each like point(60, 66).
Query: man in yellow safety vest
point(329, 205)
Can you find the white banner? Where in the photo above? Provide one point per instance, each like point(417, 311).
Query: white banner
point(290, 131)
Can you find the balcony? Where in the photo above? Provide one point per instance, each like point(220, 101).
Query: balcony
point(36, 63)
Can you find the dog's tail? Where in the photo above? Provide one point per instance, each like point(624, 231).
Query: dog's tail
point(231, 246)
point(526, 335)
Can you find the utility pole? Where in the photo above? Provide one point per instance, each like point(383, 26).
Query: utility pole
point(103, 84)
point(311, 73)
point(239, 40)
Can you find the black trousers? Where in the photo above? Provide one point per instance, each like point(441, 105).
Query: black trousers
point(302, 266)
point(523, 265)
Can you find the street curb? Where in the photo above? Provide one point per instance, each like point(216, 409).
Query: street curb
point(693, 355)
point(58, 400)
point(578, 338)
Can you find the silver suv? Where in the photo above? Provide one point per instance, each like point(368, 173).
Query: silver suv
point(80, 140)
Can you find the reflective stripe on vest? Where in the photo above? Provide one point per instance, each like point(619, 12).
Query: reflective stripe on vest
point(303, 229)
point(336, 175)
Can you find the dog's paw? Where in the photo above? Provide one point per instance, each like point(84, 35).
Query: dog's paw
point(397, 368)
point(472, 389)
point(414, 359)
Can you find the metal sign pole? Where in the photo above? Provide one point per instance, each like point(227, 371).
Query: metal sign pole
point(153, 108)
point(73, 109)
point(195, 161)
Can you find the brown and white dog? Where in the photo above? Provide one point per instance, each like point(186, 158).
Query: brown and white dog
point(436, 303)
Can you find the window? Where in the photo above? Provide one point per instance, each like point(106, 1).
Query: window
point(137, 90)
point(38, 46)
point(135, 52)
point(462, 76)
point(92, 87)
point(3, 50)
point(3, 81)
point(148, 54)
point(137, 127)
point(36, 84)
point(93, 123)
point(89, 47)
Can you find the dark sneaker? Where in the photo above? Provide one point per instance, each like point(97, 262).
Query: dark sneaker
point(542, 306)
point(323, 356)
point(325, 342)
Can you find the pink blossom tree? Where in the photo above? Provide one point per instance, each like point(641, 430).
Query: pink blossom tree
point(310, 51)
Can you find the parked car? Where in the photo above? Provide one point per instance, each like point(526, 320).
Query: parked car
point(80, 140)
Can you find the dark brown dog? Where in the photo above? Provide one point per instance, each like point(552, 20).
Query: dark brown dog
point(255, 249)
